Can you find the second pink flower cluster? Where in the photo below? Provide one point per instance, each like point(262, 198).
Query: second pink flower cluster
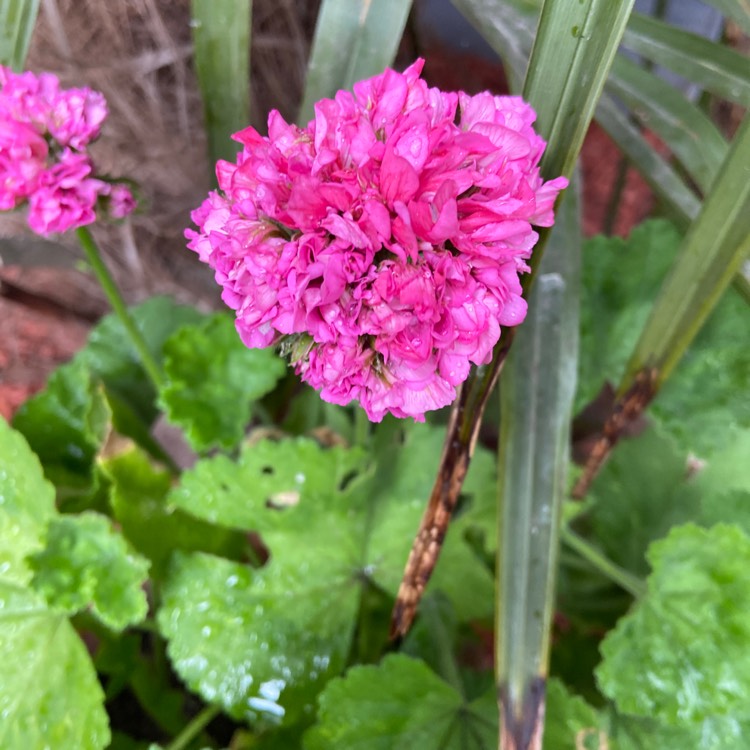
point(44, 135)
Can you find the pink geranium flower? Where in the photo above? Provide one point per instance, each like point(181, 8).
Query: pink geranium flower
point(65, 197)
point(44, 133)
point(381, 244)
point(23, 157)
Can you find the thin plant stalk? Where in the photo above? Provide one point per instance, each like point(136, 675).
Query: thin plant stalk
point(623, 578)
point(194, 728)
point(112, 293)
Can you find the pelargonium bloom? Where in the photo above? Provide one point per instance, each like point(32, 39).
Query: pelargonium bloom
point(44, 133)
point(65, 196)
point(381, 244)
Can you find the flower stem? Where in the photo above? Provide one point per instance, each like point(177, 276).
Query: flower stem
point(118, 304)
point(194, 728)
point(632, 584)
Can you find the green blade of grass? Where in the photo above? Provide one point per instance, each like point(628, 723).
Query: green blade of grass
point(221, 35)
point(737, 10)
point(354, 39)
point(536, 401)
point(510, 34)
point(17, 19)
point(573, 50)
point(690, 134)
point(712, 252)
point(682, 203)
point(714, 67)
point(508, 28)
point(570, 58)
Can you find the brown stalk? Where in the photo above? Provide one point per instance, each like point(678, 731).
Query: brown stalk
point(625, 411)
point(458, 449)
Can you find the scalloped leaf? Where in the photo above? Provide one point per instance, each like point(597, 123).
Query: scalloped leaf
point(398, 705)
point(66, 425)
point(262, 642)
point(49, 694)
point(27, 503)
point(682, 656)
point(138, 496)
point(213, 380)
point(86, 563)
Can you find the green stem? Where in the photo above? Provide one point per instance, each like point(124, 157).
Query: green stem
point(118, 304)
point(632, 584)
point(194, 728)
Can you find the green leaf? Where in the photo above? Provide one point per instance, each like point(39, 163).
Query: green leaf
point(212, 381)
point(570, 722)
point(354, 39)
point(221, 35)
point(86, 563)
point(27, 503)
point(620, 279)
point(703, 404)
point(332, 525)
point(737, 10)
point(681, 656)
point(536, 398)
point(648, 486)
point(678, 198)
point(637, 733)
point(510, 31)
point(155, 528)
point(690, 134)
point(400, 705)
point(259, 643)
point(270, 475)
point(508, 28)
point(49, 694)
point(17, 19)
point(714, 67)
point(639, 495)
point(711, 254)
point(66, 425)
point(573, 50)
point(724, 485)
point(109, 356)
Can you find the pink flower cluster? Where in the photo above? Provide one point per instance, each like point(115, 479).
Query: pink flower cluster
point(381, 244)
point(44, 133)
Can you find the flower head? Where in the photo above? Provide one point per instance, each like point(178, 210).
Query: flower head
point(44, 133)
point(381, 244)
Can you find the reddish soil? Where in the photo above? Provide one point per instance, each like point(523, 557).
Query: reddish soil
point(38, 331)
